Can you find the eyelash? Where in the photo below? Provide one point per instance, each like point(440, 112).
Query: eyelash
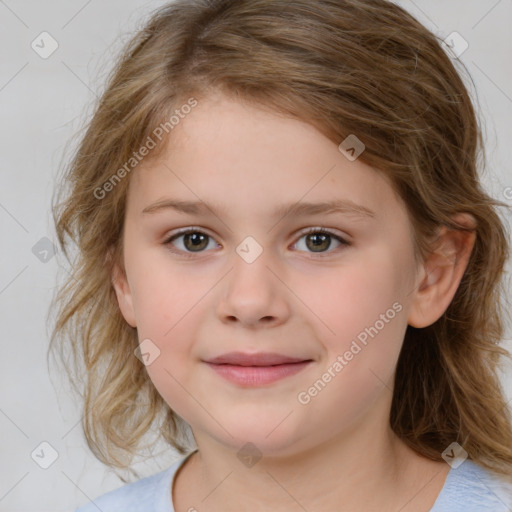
point(322, 231)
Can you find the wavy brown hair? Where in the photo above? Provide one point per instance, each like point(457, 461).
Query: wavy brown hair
point(363, 67)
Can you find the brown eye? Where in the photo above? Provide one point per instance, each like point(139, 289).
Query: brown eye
point(190, 241)
point(319, 240)
point(195, 241)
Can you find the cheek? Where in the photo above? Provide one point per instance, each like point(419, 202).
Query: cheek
point(354, 296)
point(172, 321)
point(170, 302)
point(166, 295)
point(357, 374)
point(363, 321)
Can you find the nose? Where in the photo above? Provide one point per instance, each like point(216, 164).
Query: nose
point(254, 294)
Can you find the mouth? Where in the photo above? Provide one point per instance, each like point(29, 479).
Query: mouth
point(250, 370)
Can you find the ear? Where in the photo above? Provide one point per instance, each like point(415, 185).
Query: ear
point(123, 294)
point(442, 272)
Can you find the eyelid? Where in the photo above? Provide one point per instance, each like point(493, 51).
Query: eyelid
point(329, 231)
point(305, 231)
point(188, 229)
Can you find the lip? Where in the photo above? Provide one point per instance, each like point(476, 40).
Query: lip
point(258, 359)
point(252, 370)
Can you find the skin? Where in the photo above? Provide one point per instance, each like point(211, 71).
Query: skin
point(336, 452)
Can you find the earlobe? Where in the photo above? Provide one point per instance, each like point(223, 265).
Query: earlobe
point(442, 272)
point(123, 294)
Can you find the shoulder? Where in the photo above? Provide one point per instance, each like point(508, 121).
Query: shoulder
point(472, 488)
point(150, 494)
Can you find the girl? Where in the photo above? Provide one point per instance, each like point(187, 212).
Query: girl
point(287, 265)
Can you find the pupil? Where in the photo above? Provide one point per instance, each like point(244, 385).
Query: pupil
point(196, 238)
point(318, 240)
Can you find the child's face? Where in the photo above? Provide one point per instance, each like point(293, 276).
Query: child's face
point(300, 297)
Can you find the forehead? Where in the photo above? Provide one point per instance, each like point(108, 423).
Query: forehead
point(237, 155)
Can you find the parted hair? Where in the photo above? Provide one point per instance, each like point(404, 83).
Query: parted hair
point(363, 67)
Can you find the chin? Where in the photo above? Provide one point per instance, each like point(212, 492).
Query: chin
point(266, 438)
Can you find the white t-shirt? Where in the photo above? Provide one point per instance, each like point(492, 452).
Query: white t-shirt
point(468, 488)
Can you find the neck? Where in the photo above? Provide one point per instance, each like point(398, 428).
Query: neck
point(364, 469)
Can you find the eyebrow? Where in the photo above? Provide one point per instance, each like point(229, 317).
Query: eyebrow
point(298, 209)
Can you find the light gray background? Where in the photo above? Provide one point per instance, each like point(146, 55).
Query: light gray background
point(43, 103)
